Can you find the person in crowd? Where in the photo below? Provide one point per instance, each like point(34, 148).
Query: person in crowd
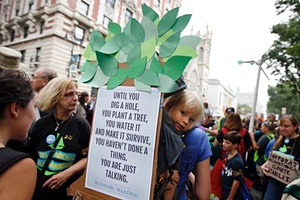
point(59, 140)
point(223, 119)
point(82, 108)
point(185, 110)
point(271, 117)
point(234, 123)
point(17, 169)
point(41, 77)
point(91, 105)
point(232, 172)
point(206, 108)
point(267, 128)
point(287, 143)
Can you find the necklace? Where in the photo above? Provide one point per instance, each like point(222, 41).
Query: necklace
point(58, 124)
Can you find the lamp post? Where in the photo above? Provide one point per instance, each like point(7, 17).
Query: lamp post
point(264, 57)
point(72, 65)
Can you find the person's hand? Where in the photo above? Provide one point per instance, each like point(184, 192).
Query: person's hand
point(265, 169)
point(216, 143)
point(56, 181)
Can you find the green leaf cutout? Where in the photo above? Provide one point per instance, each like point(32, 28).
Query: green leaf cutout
point(99, 79)
point(169, 46)
point(141, 86)
point(167, 21)
point(89, 72)
point(126, 42)
point(150, 13)
point(164, 37)
point(88, 53)
point(183, 51)
point(110, 47)
point(175, 66)
point(114, 28)
point(134, 54)
point(181, 22)
point(137, 67)
point(155, 66)
point(107, 63)
point(167, 84)
point(189, 40)
point(150, 29)
point(137, 30)
point(97, 41)
point(149, 78)
point(148, 48)
point(117, 80)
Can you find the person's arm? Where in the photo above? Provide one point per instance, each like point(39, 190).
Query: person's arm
point(212, 132)
point(234, 188)
point(57, 180)
point(202, 189)
point(254, 144)
point(18, 182)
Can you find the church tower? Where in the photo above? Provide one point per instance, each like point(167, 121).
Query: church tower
point(196, 73)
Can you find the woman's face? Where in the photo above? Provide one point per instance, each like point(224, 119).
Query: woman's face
point(68, 101)
point(182, 118)
point(25, 118)
point(287, 129)
point(264, 128)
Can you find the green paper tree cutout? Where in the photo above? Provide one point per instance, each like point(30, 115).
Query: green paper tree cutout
point(138, 46)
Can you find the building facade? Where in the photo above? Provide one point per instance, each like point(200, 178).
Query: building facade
point(54, 33)
point(220, 97)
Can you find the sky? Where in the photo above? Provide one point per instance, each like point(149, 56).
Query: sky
point(241, 30)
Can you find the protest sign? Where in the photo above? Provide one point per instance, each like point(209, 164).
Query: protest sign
point(282, 168)
point(122, 143)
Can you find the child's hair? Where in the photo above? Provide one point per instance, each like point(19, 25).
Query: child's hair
point(186, 99)
point(233, 137)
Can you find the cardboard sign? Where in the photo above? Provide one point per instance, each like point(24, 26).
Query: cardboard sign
point(122, 143)
point(282, 168)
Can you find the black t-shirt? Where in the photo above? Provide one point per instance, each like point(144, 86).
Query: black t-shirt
point(76, 134)
point(232, 171)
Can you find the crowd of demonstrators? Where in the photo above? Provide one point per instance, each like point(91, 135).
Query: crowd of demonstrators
point(59, 140)
point(17, 100)
point(287, 143)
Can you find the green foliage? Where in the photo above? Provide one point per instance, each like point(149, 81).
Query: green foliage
point(280, 96)
point(285, 53)
point(137, 46)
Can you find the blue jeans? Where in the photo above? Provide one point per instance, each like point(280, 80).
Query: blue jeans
point(274, 190)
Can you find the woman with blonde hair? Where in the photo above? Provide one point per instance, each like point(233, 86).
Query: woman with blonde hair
point(287, 143)
point(17, 170)
point(59, 140)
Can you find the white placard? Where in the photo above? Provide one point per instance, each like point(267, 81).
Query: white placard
point(121, 152)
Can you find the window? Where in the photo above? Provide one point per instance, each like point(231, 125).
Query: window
point(23, 55)
point(110, 3)
point(17, 12)
point(128, 15)
point(1, 38)
point(83, 8)
point(106, 21)
point(37, 55)
point(12, 35)
point(26, 31)
point(157, 3)
point(79, 34)
point(30, 6)
point(42, 26)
